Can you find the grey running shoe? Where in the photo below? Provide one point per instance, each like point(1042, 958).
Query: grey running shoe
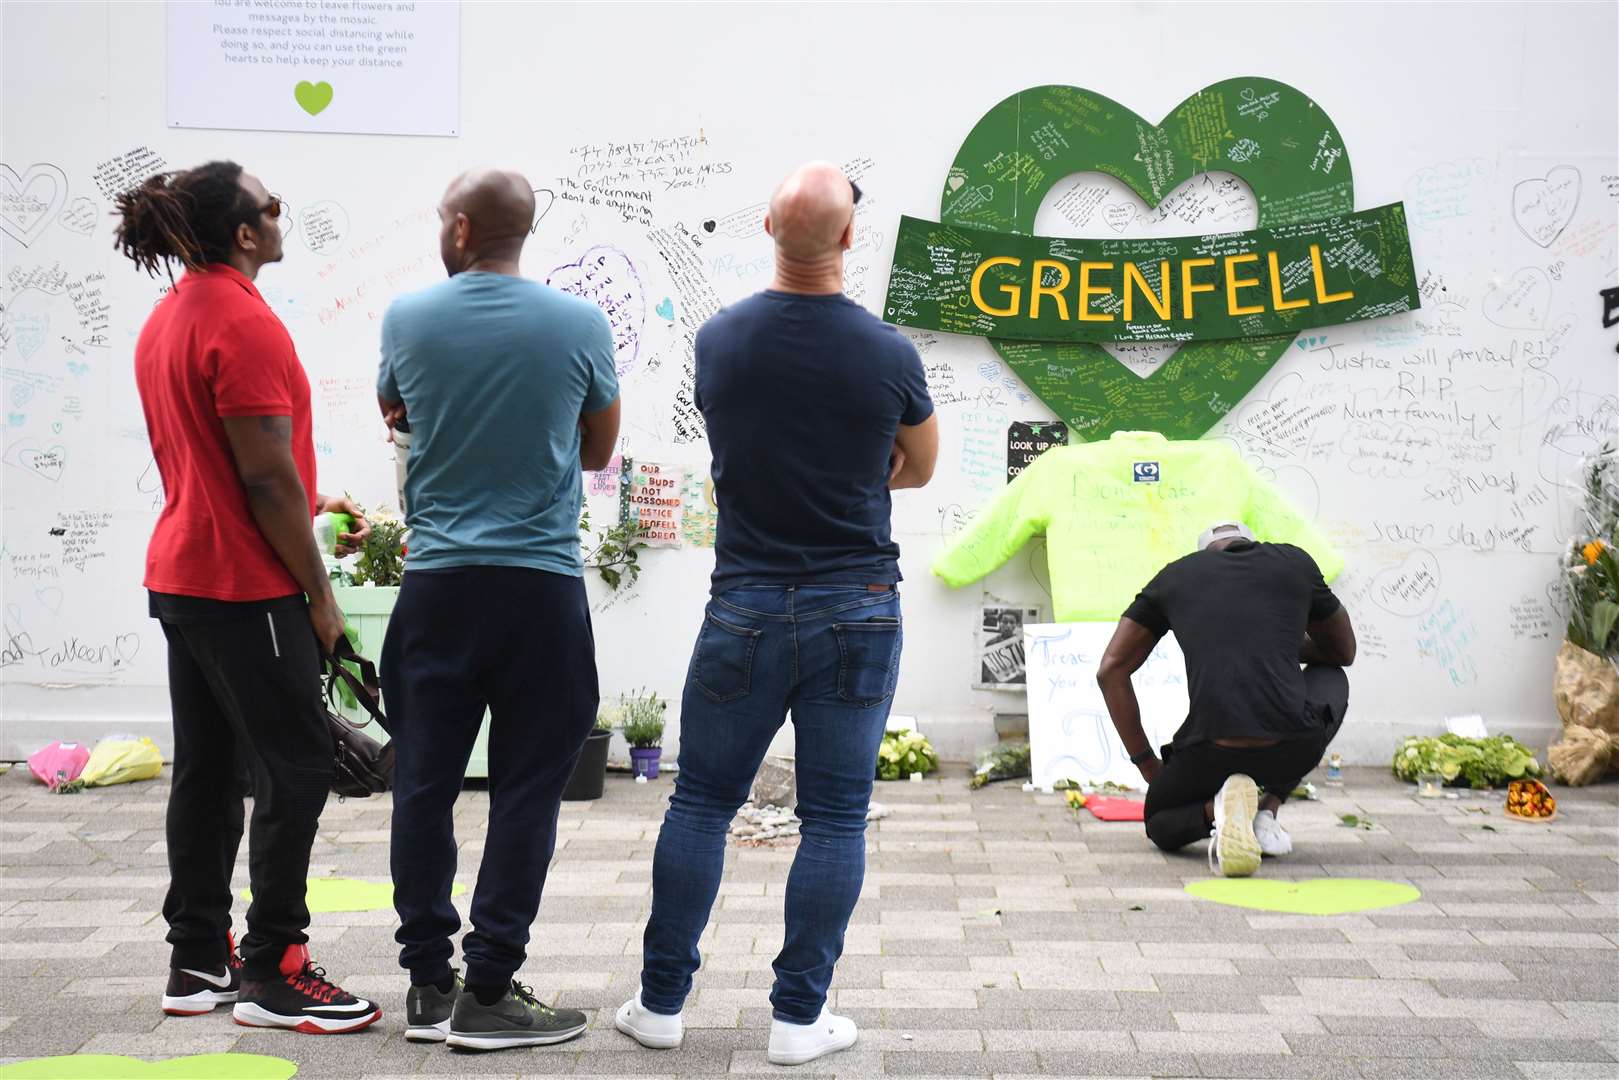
point(518, 1019)
point(427, 1012)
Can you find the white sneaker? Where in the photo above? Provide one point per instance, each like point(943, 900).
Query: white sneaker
point(1273, 839)
point(652, 1030)
point(795, 1044)
point(1232, 841)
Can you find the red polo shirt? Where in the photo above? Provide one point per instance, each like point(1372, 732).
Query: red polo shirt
point(212, 349)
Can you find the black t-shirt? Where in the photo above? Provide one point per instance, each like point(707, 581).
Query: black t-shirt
point(1239, 616)
point(802, 396)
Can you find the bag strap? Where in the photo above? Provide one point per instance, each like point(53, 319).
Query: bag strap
point(365, 687)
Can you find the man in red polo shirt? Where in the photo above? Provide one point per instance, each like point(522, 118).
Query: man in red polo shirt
point(236, 580)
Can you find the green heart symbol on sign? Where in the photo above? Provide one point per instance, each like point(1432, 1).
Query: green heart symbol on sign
point(118, 1067)
point(1269, 134)
point(313, 97)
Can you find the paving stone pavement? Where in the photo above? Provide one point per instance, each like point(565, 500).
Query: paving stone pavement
point(996, 937)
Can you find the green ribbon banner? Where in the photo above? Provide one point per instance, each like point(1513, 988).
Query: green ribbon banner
point(1278, 280)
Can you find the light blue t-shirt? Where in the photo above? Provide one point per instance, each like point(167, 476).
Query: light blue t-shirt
point(495, 371)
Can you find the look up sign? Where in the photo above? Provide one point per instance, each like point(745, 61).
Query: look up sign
point(1234, 299)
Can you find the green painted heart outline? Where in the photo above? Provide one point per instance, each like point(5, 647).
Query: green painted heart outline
point(1274, 137)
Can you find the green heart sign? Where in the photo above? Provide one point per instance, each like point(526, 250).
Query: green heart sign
point(1269, 134)
point(1317, 896)
point(117, 1067)
point(313, 97)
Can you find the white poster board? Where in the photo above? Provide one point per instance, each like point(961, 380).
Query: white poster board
point(352, 67)
point(1071, 736)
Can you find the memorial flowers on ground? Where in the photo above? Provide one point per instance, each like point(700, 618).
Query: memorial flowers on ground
point(1587, 680)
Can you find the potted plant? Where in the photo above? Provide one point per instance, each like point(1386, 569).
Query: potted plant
point(590, 770)
point(366, 593)
point(642, 724)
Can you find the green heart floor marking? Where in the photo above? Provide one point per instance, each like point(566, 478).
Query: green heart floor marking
point(1317, 896)
point(1272, 136)
point(348, 894)
point(117, 1067)
point(313, 97)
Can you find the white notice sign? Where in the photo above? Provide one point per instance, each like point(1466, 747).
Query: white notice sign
point(1071, 736)
point(354, 66)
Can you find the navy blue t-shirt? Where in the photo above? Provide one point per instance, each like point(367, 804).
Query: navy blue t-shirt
point(802, 395)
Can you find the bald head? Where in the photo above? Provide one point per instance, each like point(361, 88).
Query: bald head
point(498, 207)
point(811, 211)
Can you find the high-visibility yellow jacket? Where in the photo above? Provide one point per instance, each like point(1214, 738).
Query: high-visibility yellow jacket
point(1115, 512)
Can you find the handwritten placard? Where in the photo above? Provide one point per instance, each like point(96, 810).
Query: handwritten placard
point(1071, 736)
point(1026, 441)
point(656, 501)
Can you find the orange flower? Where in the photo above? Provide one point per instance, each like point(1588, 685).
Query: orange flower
point(1591, 551)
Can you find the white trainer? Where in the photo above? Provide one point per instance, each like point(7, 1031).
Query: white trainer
point(1273, 839)
point(652, 1030)
point(795, 1044)
point(1232, 842)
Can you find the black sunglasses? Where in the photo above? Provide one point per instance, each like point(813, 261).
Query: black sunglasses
point(272, 208)
point(854, 187)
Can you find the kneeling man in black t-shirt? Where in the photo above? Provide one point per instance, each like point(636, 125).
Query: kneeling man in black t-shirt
point(1246, 616)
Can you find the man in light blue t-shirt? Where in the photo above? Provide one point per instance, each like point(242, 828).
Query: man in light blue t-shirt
point(508, 390)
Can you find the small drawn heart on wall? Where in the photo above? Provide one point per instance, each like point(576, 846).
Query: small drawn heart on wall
point(313, 97)
point(31, 331)
point(1543, 207)
point(666, 309)
point(50, 598)
point(45, 463)
point(127, 646)
point(1521, 302)
point(30, 202)
point(544, 199)
point(1118, 216)
point(79, 217)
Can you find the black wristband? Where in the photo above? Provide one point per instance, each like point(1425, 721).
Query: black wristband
point(1137, 759)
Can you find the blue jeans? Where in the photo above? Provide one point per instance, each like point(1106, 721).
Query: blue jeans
point(830, 654)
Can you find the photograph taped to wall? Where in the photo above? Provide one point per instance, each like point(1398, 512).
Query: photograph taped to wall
point(1001, 664)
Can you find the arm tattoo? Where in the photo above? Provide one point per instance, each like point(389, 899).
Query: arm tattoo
point(279, 426)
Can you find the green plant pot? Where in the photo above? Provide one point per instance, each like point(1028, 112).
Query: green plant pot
point(367, 610)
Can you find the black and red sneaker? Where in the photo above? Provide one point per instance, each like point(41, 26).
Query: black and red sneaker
point(302, 999)
point(194, 991)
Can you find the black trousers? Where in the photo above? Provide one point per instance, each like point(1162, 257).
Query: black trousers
point(519, 642)
point(244, 685)
point(1193, 775)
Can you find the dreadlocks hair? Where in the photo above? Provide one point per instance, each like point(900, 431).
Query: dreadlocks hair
point(187, 217)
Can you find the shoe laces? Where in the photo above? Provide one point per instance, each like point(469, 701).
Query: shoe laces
point(312, 982)
point(525, 994)
point(1214, 844)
